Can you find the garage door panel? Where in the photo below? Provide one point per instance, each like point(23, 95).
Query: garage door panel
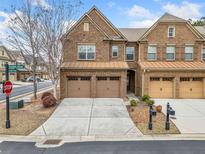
point(108, 87)
point(79, 88)
point(191, 89)
point(161, 88)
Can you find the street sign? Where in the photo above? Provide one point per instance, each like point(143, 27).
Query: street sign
point(8, 87)
point(14, 68)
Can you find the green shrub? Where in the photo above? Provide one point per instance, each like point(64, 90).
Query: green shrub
point(133, 102)
point(150, 102)
point(145, 98)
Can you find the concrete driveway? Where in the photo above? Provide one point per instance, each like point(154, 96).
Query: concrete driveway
point(88, 117)
point(190, 114)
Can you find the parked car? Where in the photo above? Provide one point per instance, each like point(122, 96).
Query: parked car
point(31, 79)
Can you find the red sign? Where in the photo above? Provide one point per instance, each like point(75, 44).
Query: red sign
point(8, 87)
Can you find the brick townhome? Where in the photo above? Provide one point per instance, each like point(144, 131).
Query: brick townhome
point(164, 61)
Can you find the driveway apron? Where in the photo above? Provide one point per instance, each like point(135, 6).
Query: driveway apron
point(190, 114)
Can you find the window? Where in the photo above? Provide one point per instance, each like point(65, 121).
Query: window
point(154, 79)
point(188, 55)
point(114, 51)
point(86, 26)
point(152, 52)
point(86, 52)
point(85, 78)
point(101, 78)
point(114, 78)
point(170, 55)
point(171, 31)
point(184, 79)
point(167, 79)
point(203, 54)
point(130, 53)
point(72, 78)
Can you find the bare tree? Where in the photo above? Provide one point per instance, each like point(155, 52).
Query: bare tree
point(25, 34)
point(55, 21)
point(36, 30)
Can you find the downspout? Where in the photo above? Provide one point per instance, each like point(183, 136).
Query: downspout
point(143, 81)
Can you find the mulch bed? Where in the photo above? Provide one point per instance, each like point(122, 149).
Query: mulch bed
point(25, 120)
point(140, 116)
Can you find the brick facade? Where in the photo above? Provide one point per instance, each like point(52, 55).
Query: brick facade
point(103, 35)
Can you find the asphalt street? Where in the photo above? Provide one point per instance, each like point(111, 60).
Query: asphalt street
point(125, 147)
point(25, 89)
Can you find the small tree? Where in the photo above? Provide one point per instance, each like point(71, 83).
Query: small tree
point(55, 21)
point(24, 34)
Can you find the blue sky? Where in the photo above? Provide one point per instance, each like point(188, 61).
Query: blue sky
point(127, 13)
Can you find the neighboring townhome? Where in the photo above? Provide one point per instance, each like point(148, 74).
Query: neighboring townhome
point(6, 58)
point(171, 55)
point(164, 61)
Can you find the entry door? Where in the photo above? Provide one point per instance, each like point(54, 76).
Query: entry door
point(108, 87)
point(79, 87)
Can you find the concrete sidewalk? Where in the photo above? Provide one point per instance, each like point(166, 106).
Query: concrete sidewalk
point(89, 117)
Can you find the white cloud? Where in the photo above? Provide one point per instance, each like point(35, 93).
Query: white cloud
point(111, 4)
point(4, 24)
point(184, 10)
point(142, 23)
point(42, 3)
point(139, 11)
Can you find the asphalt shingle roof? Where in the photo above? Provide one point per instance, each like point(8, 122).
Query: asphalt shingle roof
point(133, 34)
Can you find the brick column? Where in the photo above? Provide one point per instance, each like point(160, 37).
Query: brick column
point(176, 87)
point(123, 85)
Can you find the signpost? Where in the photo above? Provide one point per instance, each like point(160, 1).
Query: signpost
point(7, 89)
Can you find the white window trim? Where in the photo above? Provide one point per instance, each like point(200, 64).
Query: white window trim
point(203, 50)
point(117, 51)
point(174, 53)
point(173, 31)
point(192, 53)
point(126, 53)
point(86, 29)
point(86, 52)
point(148, 52)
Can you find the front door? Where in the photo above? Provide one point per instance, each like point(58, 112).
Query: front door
point(131, 81)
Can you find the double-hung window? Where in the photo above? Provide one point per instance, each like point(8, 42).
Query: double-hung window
point(203, 54)
point(130, 53)
point(170, 53)
point(188, 54)
point(114, 51)
point(152, 52)
point(86, 52)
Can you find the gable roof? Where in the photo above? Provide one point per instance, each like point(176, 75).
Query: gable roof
point(93, 22)
point(7, 52)
point(132, 34)
point(171, 18)
point(107, 21)
point(201, 29)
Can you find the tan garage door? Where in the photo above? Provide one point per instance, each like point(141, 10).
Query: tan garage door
point(161, 87)
point(191, 88)
point(108, 87)
point(79, 87)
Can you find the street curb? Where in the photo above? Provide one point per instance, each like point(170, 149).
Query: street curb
point(72, 139)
